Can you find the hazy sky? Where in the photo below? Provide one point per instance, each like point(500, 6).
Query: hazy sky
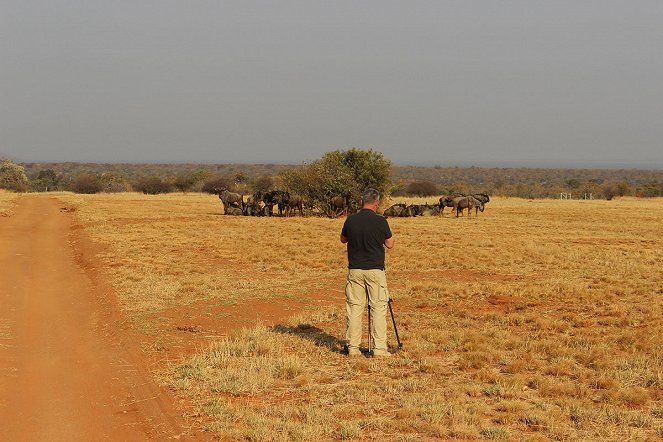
point(426, 82)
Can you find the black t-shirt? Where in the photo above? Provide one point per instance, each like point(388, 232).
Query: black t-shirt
point(366, 232)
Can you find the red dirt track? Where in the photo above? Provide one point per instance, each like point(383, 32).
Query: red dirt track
point(67, 373)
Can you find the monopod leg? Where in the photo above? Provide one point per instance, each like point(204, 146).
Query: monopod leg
point(393, 320)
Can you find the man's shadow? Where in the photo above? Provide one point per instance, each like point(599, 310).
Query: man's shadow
point(318, 336)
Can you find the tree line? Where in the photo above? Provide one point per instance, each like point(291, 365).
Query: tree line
point(337, 173)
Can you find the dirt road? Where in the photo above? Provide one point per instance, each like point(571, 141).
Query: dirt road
point(66, 371)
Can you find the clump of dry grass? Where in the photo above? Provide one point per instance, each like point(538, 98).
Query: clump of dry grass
point(536, 319)
point(7, 201)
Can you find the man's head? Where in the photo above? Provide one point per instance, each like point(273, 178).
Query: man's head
point(370, 199)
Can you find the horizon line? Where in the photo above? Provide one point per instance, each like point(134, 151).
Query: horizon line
point(457, 164)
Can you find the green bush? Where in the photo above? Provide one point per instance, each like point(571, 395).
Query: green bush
point(344, 173)
point(12, 177)
point(46, 181)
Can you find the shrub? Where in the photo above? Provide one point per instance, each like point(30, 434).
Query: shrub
point(649, 190)
point(263, 184)
point(183, 183)
point(12, 177)
point(152, 185)
point(421, 188)
point(112, 182)
point(85, 183)
point(339, 173)
point(47, 180)
point(216, 182)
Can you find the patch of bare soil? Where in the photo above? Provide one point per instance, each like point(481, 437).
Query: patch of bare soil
point(67, 369)
point(178, 332)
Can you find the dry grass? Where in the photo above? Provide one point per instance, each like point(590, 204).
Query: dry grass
point(538, 320)
point(7, 200)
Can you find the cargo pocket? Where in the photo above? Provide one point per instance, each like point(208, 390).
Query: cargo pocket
point(383, 296)
point(353, 293)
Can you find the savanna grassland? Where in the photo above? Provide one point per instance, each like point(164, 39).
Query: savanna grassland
point(536, 320)
point(7, 200)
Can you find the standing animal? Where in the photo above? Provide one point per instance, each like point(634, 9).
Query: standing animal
point(469, 203)
point(483, 197)
point(448, 201)
point(339, 205)
point(280, 198)
point(270, 200)
point(229, 198)
point(295, 202)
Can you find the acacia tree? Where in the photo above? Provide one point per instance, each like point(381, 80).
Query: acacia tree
point(344, 173)
point(12, 177)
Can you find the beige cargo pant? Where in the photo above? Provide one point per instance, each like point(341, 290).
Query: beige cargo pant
point(360, 285)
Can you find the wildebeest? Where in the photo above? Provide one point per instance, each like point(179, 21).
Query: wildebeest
point(270, 199)
point(229, 198)
point(252, 208)
point(428, 210)
point(483, 197)
point(447, 201)
point(233, 210)
point(279, 198)
point(294, 203)
point(340, 205)
point(416, 209)
point(399, 210)
point(469, 203)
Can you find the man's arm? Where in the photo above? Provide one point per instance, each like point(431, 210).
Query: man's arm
point(344, 239)
point(389, 241)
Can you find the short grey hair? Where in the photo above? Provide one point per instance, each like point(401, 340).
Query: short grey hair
point(370, 196)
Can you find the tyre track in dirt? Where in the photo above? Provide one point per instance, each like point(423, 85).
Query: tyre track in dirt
point(66, 371)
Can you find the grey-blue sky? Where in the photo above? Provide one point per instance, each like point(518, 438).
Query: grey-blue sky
point(437, 82)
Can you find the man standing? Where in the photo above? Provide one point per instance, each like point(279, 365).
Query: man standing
point(367, 234)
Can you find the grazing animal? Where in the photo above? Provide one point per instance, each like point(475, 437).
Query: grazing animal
point(469, 203)
point(483, 197)
point(294, 203)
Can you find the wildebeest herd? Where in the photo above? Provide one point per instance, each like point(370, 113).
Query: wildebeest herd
point(261, 203)
point(287, 204)
point(458, 203)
